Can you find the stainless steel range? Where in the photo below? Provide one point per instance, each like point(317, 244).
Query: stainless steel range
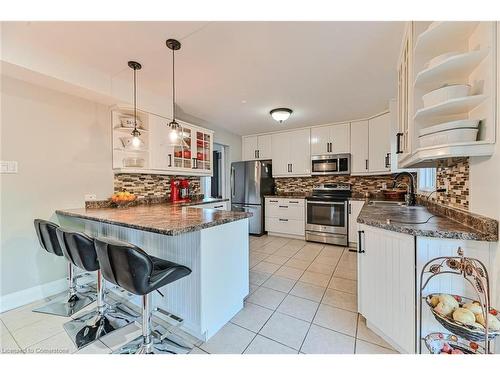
point(327, 214)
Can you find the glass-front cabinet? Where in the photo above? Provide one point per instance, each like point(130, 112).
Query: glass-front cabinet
point(188, 153)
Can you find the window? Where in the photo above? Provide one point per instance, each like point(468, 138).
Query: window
point(426, 179)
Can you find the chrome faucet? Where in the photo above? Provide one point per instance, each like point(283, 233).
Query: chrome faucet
point(410, 197)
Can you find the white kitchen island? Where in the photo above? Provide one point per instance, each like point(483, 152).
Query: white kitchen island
point(212, 243)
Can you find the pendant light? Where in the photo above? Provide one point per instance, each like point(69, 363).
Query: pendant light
point(174, 126)
point(281, 114)
point(136, 142)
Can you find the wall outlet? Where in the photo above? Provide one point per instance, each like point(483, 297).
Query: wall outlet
point(8, 167)
point(90, 197)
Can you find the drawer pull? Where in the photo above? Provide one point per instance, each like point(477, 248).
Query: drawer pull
point(293, 201)
point(283, 219)
point(271, 201)
point(219, 206)
point(283, 206)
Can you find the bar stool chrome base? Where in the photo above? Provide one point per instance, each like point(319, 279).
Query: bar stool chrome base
point(156, 346)
point(93, 325)
point(67, 306)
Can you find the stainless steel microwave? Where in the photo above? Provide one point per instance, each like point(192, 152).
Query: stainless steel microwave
point(331, 164)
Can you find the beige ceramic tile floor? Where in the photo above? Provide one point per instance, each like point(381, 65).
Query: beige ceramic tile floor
point(302, 300)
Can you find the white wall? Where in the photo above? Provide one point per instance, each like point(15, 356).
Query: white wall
point(63, 146)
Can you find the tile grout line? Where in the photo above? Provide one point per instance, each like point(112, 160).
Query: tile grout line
point(319, 304)
point(274, 312)
point(312, 322)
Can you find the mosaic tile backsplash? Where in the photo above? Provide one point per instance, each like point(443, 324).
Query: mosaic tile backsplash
point(151, 185)
point(360, 184)
point(453, 174)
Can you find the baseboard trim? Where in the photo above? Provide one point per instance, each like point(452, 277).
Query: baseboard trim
point(286, 235)
point(26, 296)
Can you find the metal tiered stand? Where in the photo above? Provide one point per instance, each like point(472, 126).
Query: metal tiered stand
point(471, 339)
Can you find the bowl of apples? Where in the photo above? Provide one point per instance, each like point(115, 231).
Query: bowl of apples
point(123, 199)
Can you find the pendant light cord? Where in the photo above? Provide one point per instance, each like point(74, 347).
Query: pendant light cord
point(173, 84)
point(135, 101)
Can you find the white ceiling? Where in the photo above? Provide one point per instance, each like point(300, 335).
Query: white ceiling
point(233, 73)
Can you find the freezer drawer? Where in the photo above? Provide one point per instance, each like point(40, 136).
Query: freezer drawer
point(256, 222)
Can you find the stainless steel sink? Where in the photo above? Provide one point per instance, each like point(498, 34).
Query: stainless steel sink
point(386, 203)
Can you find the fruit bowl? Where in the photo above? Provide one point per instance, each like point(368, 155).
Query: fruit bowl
point(472, 333)
point(443, 343)
point(123, 199)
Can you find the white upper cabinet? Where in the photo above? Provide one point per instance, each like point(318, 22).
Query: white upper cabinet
point(249, 148)
point(359, 147)
point(256, 147)
point(291, 153)
point(331, 139)
point(379, 145)
point(371, 145)
point(264, 147)
point(320, 140)
point(162, 153)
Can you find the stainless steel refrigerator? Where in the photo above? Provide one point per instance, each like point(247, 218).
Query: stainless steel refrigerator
point(250, 181)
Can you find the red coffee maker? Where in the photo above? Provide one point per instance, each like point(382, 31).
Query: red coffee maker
point(179, 190)
point(174, 191)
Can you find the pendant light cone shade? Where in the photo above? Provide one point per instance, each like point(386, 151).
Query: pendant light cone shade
point(174, 126)
point(281, 114)
point(136, 141)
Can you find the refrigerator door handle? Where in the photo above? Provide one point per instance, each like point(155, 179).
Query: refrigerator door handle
point(232, 182)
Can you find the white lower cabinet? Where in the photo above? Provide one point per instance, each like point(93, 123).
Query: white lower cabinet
point(285, 216)
point(386, 285)
point(355, 208)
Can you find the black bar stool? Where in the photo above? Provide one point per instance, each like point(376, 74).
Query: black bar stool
point(79, 249)
point(131, 268)
point(46, 232)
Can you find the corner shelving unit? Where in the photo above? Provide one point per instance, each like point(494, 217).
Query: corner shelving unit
point(120, 151)
point(475, 45)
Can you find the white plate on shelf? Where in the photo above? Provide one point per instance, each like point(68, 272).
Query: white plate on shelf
point(458, 124)
point(450, 136)
point(445, 93)
point(439, 59)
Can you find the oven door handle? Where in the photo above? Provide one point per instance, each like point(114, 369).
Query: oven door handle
point(327, 203)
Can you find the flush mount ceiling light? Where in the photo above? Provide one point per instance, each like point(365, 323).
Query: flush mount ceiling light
point(174, 126)
point(136, 142)
point(281, 114)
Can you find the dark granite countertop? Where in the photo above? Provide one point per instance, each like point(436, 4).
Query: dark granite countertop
point(405, 219)
point(167, 219)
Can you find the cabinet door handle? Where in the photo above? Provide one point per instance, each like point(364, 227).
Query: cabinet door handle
point(350, 209)
point(366, 164)
point(388, 160)
point(398, 143)
point(258, 154)
point(291, 167)
point(169, 160)
point(283, 219)
point(255, 154)
point(360, 247)
point(283, 206)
